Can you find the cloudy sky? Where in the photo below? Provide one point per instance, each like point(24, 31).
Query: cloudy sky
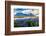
point(26, 11)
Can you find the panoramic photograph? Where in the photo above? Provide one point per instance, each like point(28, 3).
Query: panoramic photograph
point(26, 17)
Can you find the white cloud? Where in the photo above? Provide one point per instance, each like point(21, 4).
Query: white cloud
point(30, 11)
point(34, 12)
point(26, 11)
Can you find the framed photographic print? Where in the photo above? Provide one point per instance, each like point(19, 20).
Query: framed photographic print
point(24, 17)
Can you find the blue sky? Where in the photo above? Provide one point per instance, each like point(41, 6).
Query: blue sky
point(18, 10)
point(25, 11)
point(21, 10)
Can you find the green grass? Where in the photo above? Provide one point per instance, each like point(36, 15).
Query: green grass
point(23, 16)
point(29, 22)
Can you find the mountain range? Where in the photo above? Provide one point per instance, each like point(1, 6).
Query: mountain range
point(21, 14)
